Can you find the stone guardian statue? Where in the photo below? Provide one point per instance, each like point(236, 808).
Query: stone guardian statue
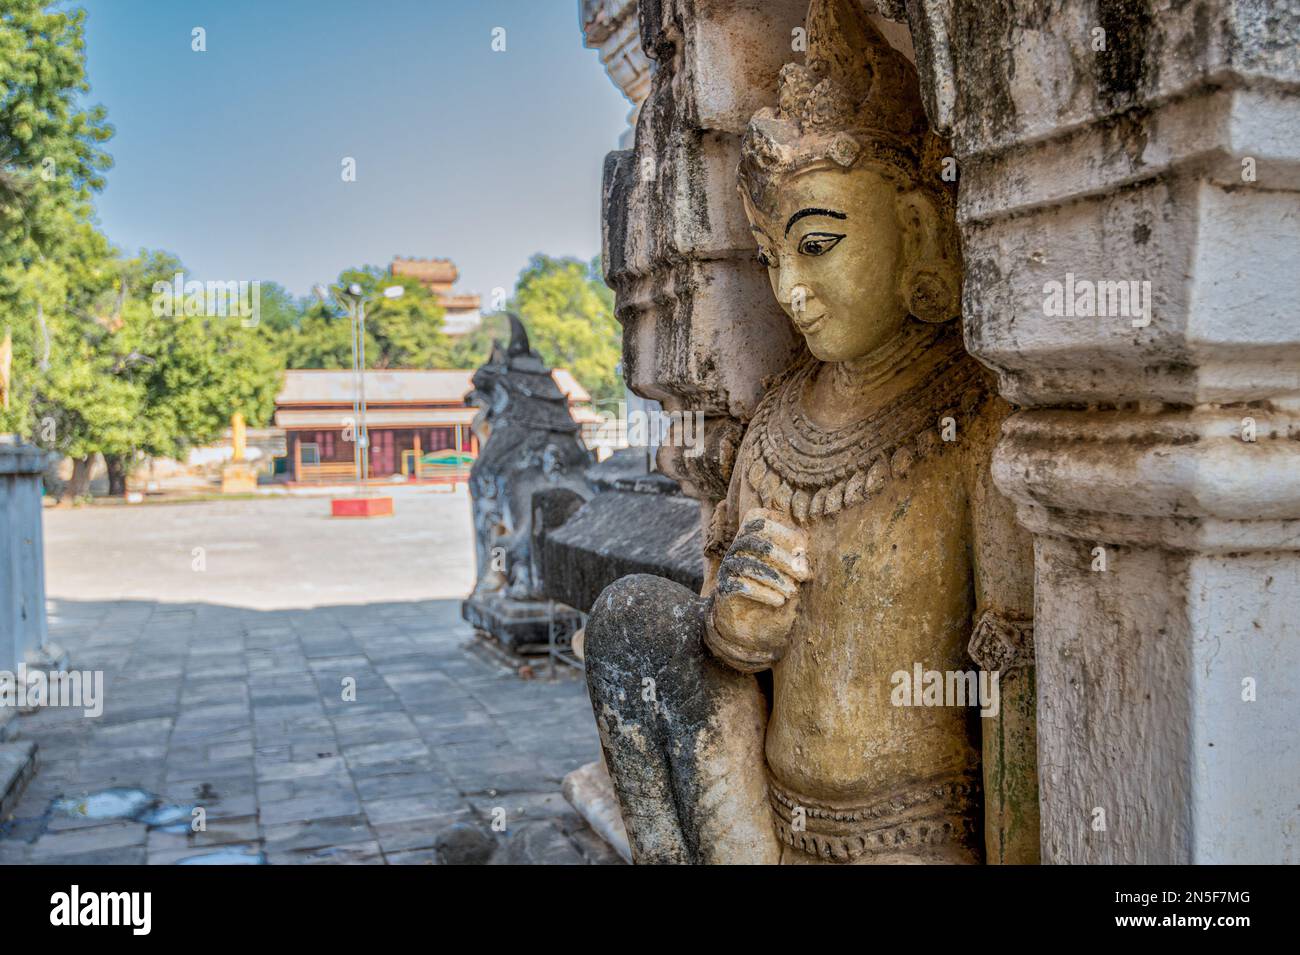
point(530, 443)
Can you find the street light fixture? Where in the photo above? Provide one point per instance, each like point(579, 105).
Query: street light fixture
point(353, 299)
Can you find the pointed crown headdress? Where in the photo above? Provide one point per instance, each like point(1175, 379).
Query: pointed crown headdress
point(856, 100)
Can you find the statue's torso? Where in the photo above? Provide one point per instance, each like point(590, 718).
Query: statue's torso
point(884, 503)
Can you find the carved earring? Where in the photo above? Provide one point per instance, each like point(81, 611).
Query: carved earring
point(930, 283)
point(932, 296)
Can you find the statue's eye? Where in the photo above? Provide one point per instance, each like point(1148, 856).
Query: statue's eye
point(766, 260)
point(818, 243)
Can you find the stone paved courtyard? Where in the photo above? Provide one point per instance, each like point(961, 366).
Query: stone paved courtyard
point(241, 709)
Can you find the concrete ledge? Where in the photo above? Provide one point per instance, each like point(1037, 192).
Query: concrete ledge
point(22, 459)
point(521, 626)
point(618, 533)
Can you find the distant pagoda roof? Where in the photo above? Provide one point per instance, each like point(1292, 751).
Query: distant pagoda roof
point(435, 272)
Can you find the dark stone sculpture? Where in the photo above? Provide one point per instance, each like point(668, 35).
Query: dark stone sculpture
point(530, 443)
point(636, 522)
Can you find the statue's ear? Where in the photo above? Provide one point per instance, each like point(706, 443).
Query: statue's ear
point(930, 272)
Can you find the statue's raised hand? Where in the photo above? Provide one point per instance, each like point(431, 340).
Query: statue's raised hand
point(757, 593)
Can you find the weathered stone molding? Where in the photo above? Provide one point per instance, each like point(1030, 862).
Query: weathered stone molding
point(1000, 644)
point(1154, 458)
point(611, 27)
point(701, 330)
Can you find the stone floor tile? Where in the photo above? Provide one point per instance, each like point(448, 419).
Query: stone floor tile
point(241, 712)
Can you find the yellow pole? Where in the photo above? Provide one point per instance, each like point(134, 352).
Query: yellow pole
point(238, 436)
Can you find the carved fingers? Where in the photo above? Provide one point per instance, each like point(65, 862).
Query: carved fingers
point(748, 577)
point(767, 561)
point(755, 600)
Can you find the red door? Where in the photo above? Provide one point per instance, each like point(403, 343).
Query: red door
point(382, 457)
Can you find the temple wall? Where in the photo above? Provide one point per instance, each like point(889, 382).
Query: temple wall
point(700, 327)
point(1159, 160)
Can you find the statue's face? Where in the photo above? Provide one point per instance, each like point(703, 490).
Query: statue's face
point(832, 245)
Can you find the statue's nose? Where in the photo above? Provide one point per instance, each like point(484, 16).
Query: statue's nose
point(787, 283)
point(800, 297)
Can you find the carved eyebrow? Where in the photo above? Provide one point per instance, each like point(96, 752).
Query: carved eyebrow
point(802, 213)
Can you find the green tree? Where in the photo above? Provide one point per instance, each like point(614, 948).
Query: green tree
point(473, 348)
point(79, 404)
point(280, 312)
point(95, 368)
point(403, 332)
point(191, 372)
point(50, 163)
point(322, 338)
point(569, 313)
point(124, 378)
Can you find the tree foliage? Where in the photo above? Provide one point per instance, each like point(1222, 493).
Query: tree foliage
point(96, 368)
point(50, 160)
point(123, 379)
point(50, 163)
point(569, 313)
point(403, 332)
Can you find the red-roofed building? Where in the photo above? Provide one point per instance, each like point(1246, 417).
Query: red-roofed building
point(414, 418)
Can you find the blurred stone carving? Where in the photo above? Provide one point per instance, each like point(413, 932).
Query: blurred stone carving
point(529, 443)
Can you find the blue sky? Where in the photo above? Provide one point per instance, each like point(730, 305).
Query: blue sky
point(232, 158)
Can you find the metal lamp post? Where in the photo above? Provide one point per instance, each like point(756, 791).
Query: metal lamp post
point(353, 299)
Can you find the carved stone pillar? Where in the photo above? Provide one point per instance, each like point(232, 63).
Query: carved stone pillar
point(610, 26)
point(23, 634)
point(23, 630)
point(701, 329)
point(1156, 457)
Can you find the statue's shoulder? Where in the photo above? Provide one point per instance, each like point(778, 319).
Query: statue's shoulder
point(778, 390)
point(777, 387)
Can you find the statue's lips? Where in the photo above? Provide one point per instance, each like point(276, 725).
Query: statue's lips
point(811, 323)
